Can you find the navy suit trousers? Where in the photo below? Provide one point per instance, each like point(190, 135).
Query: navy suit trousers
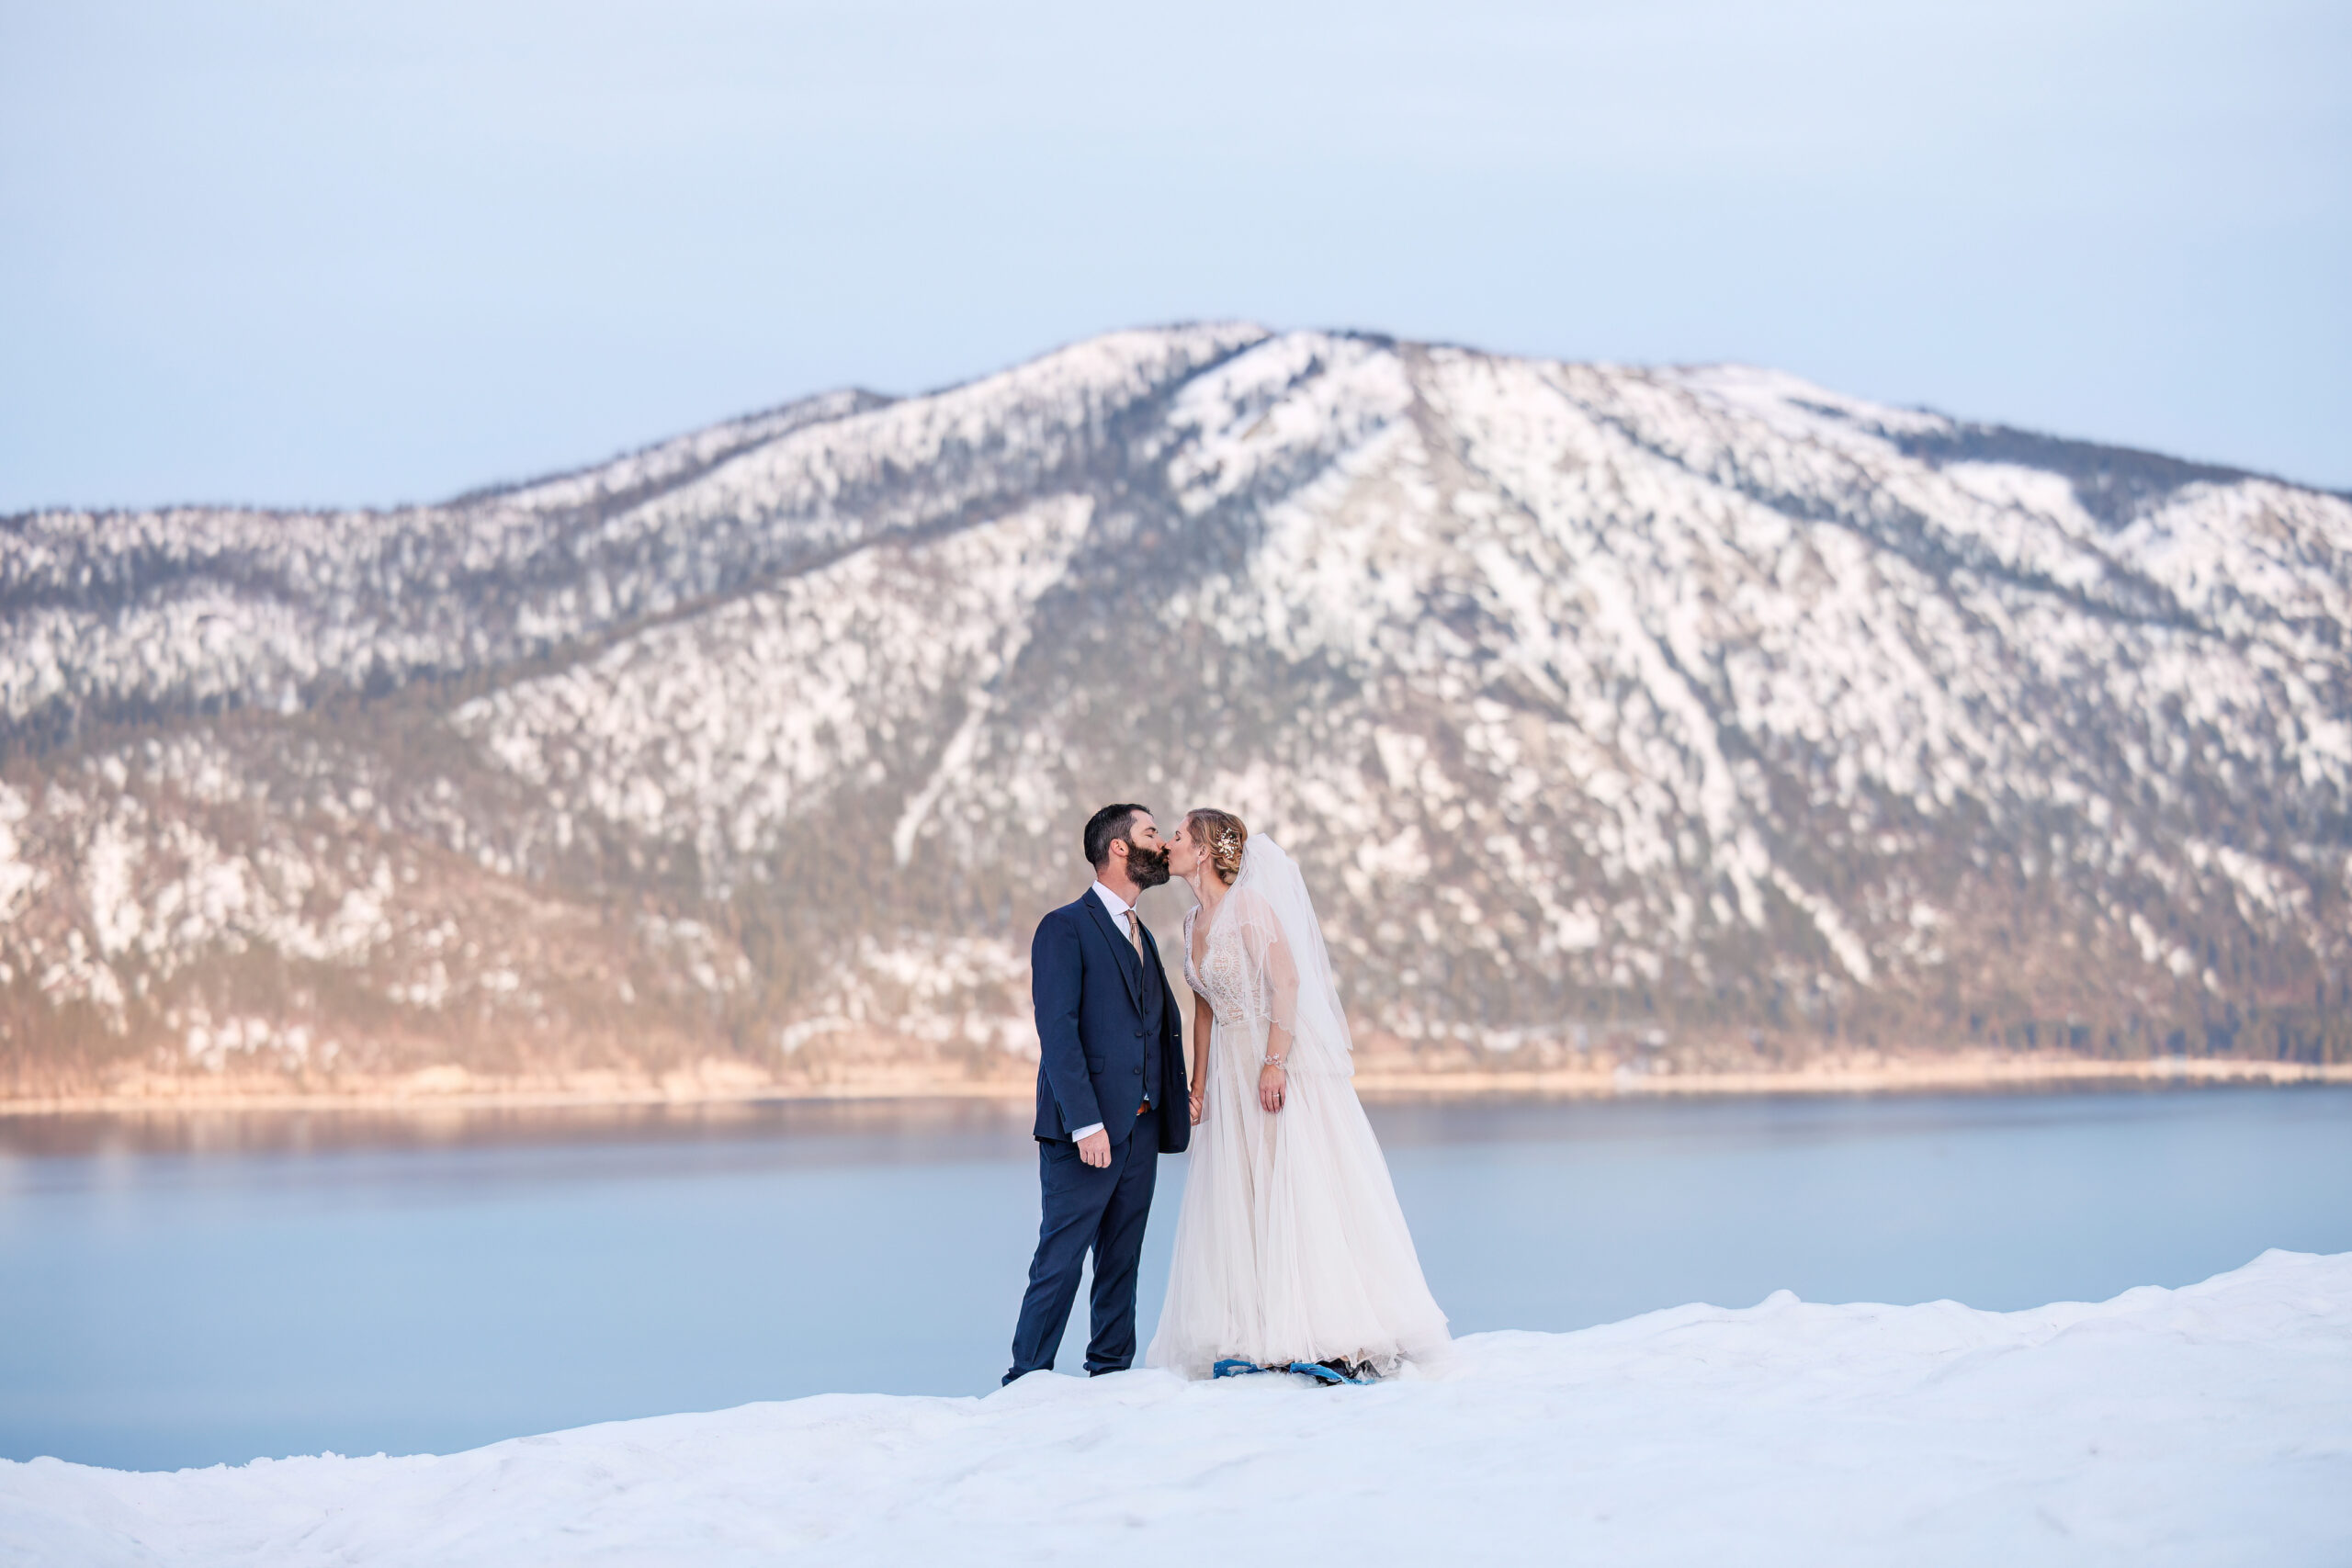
point(1086, 1208)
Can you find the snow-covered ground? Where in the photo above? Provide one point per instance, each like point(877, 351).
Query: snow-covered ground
point(2209, 1425)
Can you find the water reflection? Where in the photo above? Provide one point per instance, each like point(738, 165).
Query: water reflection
point(909, 1129)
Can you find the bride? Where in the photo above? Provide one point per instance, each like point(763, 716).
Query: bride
point(1290, 1249)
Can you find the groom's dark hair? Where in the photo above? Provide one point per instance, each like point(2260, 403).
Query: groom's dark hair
point(1105, 828)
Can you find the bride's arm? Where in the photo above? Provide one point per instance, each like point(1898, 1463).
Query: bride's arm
point(1203, 1018)
point(1263, 937)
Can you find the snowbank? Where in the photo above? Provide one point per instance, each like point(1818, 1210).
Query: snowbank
point(2206, 1425)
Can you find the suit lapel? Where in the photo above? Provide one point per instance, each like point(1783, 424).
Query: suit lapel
point(1124, 954)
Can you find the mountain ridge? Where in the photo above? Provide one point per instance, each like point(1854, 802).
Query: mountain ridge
point(1696, 714)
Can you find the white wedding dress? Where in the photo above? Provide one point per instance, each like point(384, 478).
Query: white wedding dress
point(1290, 1246)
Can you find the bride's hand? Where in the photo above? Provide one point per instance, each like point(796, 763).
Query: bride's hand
point(1273, 1086)
point(1196, 1105)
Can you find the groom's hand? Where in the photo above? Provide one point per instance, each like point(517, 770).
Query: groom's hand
point(1095, 1149)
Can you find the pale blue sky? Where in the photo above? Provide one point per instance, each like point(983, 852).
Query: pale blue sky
point(356, 253)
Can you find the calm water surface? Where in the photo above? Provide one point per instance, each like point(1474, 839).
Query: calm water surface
point(196, 1290)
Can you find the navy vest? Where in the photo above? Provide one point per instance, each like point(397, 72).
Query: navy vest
point(1150, 988)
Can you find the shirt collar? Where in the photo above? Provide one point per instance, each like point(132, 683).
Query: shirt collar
point(1113, 902)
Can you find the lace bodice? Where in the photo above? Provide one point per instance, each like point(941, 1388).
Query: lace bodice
point(1246, 970)
point(1223, 974)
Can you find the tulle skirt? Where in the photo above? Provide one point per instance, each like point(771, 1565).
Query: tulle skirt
point(1290, 1245)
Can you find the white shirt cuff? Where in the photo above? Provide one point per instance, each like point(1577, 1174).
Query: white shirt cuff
point(1086, 1131)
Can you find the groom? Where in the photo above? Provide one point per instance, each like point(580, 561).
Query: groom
point(1111, 1094)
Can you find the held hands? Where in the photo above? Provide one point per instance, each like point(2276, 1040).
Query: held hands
point(1197, 1101)
point(1273, 1086)
point(1095, 1149)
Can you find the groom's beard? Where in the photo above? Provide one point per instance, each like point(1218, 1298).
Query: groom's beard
point(1147, 868)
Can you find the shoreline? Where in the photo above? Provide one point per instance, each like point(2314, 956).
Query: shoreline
point(438, 1093)
point(1995, 1075)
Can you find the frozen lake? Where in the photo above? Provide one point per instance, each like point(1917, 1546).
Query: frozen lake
point(185, 1290)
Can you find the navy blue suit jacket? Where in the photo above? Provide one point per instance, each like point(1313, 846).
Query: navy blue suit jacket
point(1091, 1029)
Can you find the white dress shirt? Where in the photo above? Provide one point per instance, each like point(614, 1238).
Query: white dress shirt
point(1118, 907)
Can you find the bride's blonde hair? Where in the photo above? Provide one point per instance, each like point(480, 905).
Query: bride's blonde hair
point(1220, 835)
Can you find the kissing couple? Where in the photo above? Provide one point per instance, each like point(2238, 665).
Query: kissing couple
point(1291, 1254)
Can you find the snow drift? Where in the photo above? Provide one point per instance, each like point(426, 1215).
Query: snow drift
point(2211, 1424)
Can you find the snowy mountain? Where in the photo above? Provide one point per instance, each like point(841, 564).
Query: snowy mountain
point(1682, 716)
